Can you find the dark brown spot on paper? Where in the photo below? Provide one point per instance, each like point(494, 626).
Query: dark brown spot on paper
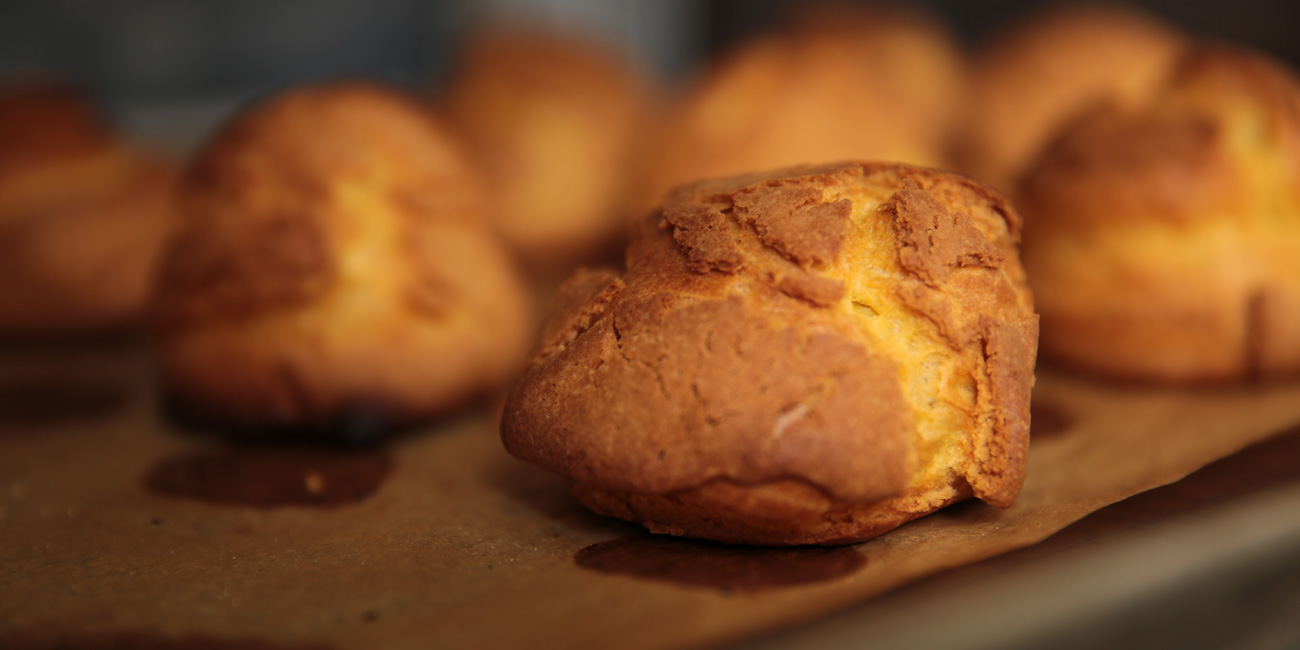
point(719, 566)
point(271, 477)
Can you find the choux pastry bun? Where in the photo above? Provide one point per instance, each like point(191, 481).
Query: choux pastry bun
point(834, 85)
point(814, 355)
point(333, 263)
point(1036, 75)
point(1162, 237)
point(83, 215)
point(553, 121)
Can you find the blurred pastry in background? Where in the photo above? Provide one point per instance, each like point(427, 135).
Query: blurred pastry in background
point(552, 121)
point(333, 266)
point(1163, 238)
point(1036, 74)
point(837, 84)
point(814, 355)
point(83, 215)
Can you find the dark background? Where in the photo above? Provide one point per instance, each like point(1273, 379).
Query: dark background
point(151, 61)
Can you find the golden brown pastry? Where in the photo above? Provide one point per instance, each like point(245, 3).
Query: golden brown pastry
point(1037, 74)
point(836, 85)
point(811, 356)
point(83, 215)
point(552, 121)
point(1162, 240)
point(333, 260)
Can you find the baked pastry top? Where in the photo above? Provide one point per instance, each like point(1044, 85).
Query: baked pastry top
point(334, 256)
point(813, 355)
point(1162, 235)
point(1035, 75)
point(832, 85)
point(553, 121)
point(83, 214)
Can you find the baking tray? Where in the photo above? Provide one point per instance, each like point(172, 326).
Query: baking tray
point(118, 529)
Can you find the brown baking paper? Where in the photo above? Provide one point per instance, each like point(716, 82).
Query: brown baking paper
point(117, 530)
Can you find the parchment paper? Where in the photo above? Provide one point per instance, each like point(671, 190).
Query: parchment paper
point(117, 530)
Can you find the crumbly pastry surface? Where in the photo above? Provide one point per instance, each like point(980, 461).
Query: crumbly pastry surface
point(1035, 76)
point(83, 215)
point(815, 355)
point(553, 121)
point(333, 257)
point(833, 85)
point(1162, 237)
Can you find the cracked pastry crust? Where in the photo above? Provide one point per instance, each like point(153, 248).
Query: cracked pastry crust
point(837, 84)
point(1037, 75)
point(1162, 237)
point(83, 215)
point(552, 121)
point(811, 356)
point(333, 258)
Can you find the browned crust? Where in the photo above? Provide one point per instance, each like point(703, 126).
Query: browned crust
point(554, 123)
point(1173, 157)
point(669, 391)
point(1164, 167)
point(302, 371)
point(334, 256)
point(779, 513)
point(1036, 75)
point(261, 199)
point(726, 356)
point(795, 222)
point(1002, 457)
point(832, 84)
point(933, 243)
point(1212, 157)
point(583, 299)
point(559, 67)
point(704, 234)
point(936, 239)
point(83, 215)
point(277, 263)
point(46, 122)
